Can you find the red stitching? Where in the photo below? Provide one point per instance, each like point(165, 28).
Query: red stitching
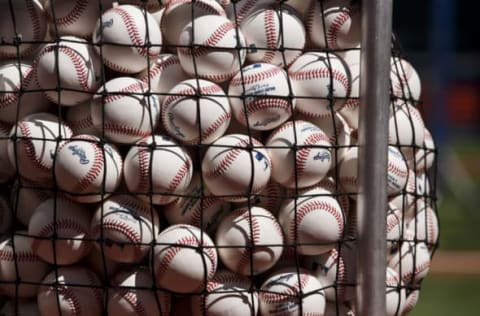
point(10, 97)
point(37, 34)
point(158, 68)
point(135, 87)
point(222, 166)
point(332, 32)
point(392, 168)
point(271, 35)
point(144, 156)
point(311, 12)
point(253, 236)
point(255, 76)
point(115, 67)
point(132, 298)
point(18, 256)
point(93, 172)
point(316, 73)
point(342, 276)
point(403, 74)
point(70, 297)
point(225, 117)
point(97, 292)
point(226, 277)
point(199, 4)
point(133, 32)
point(73, 15)
point(27, 144)
point(179, 176)
point(81, 124)
point(210, 42)
point(393, 220)
point(115, 128)
point(181, 94)
point(289, 293)
point(198, 209)
point(115, 225)
point(59, 224)
point(249, 4)
point(173, 250)
point(406, 277)
point(265, 104)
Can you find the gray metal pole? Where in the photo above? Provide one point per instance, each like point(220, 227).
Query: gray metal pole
point(373, 132)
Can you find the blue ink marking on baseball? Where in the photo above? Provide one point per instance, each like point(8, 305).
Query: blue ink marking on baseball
point(261, 157)
point(80, 152)
point(322, 156)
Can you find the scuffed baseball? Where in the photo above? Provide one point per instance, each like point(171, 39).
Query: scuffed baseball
point(244, 227)
point(259, 95)
point(32, 145)
point(18, 262)
point(124, 227)
point(69, 222)
point(268, 30)
point(87, 170)
point(236, 166)
point(71, 65)
point(196, 111)
point(320, 83)
point(130, 37)
point(227, 294)
point(217, 58)
point(184, 259)
point(300, 153)
point(126, 113)
point(157, 170)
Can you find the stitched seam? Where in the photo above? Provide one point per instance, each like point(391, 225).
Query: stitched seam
point(114, 128)
point(249, 79)
point(28, 147)
point(179, 176)
point(265, 104)
point(17, 256)
point(206, 133)
point(70, 297)
point(270, 33)
point(318, 73)
point(222, 166)
point(72, 16)
point(132, 299)
point(144, 156)
point(93, 172)
point(35, 22)
point(136, 87)
point(253, 238)
point(10, 97)
point(335, 26)
point(60, 224)
point(133, 32)
point(158, 68)
point(97, 292)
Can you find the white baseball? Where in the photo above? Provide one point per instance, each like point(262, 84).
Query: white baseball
point(69, 222)
point(71, 65)
point(259, 96)
point(395, 293)
point(8, 170)
point(25, 197)
point(30, 27)
point(412, 260)
point(397, 172)
point(157, 169)
point(334, 24)
point(411, 302)
point(406, 129)
point(336, 272)
point(300, 153)
point(162, 75)
point(335, 309)
point(279, 294)
point(196, 207)
point(19, 262)
point(77, 17)
point(125, 228)
point(17, 80)
point(405, 81)
point(129, 38)
point(425, 155)
point(219, 55)
point(243, 227)
point(72, 290)
point(87, 170)
point(132, 295)
point(394, 230)
point(178, 13)
point(227, 294)
point(406, 199)
point(425, 225)
point(150, 5)
point(125, 114)
point(32, 145)
point(235, 167)
point(79, 119)
point(351, 110)
point(270, 198)
point(268, 30)
point(196, 111)
point(314, 222)
point(237, 10)
point(18, 307)
point(184, 259)
point(334, 188)
point(320, 83)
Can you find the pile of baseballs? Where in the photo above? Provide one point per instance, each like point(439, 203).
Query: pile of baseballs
point(182, 157)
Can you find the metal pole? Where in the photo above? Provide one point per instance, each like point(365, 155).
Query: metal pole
point(373, 133)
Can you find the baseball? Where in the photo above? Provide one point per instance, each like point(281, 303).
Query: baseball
point(280, 294)
point(72, 65)
point(406, 129)
point(30, 27)
point(129, 38)
point(123, 112)
point(157, 169)
point(196, 111)
point(236, 166)
point(425, 224)
point(77, 17)
point(69, 222)
point(334, 24)
point(268, 30)
point(336, 270)
point(335, 190)
point(351, 109)
point(133, 295)
point(79, 119)
point(411, 302)
point(8, 170)
point(184, 259)
point(25, 197)
point(335, 309)
point(395, 222)
point(406, 199)
point(259, 95)
point(425, 155)
point(320, 83)
point(125, 228)
point(300, 153)
point(102, 265)
point(17, 82)
point(71, 290)
point(18, 262)
point(178, 13)
point(243, 227)
point(270, 198)
point(150, 5)
point(395, 293)
point(211, 52)
point(162, 75)
point(227, 294)
point(404, 79)
point(33, 143)
point(196, 207)
point(314, 222)
point(238, 10)
point(86, 170)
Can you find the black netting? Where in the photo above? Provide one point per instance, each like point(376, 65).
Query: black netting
point(197, 158)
